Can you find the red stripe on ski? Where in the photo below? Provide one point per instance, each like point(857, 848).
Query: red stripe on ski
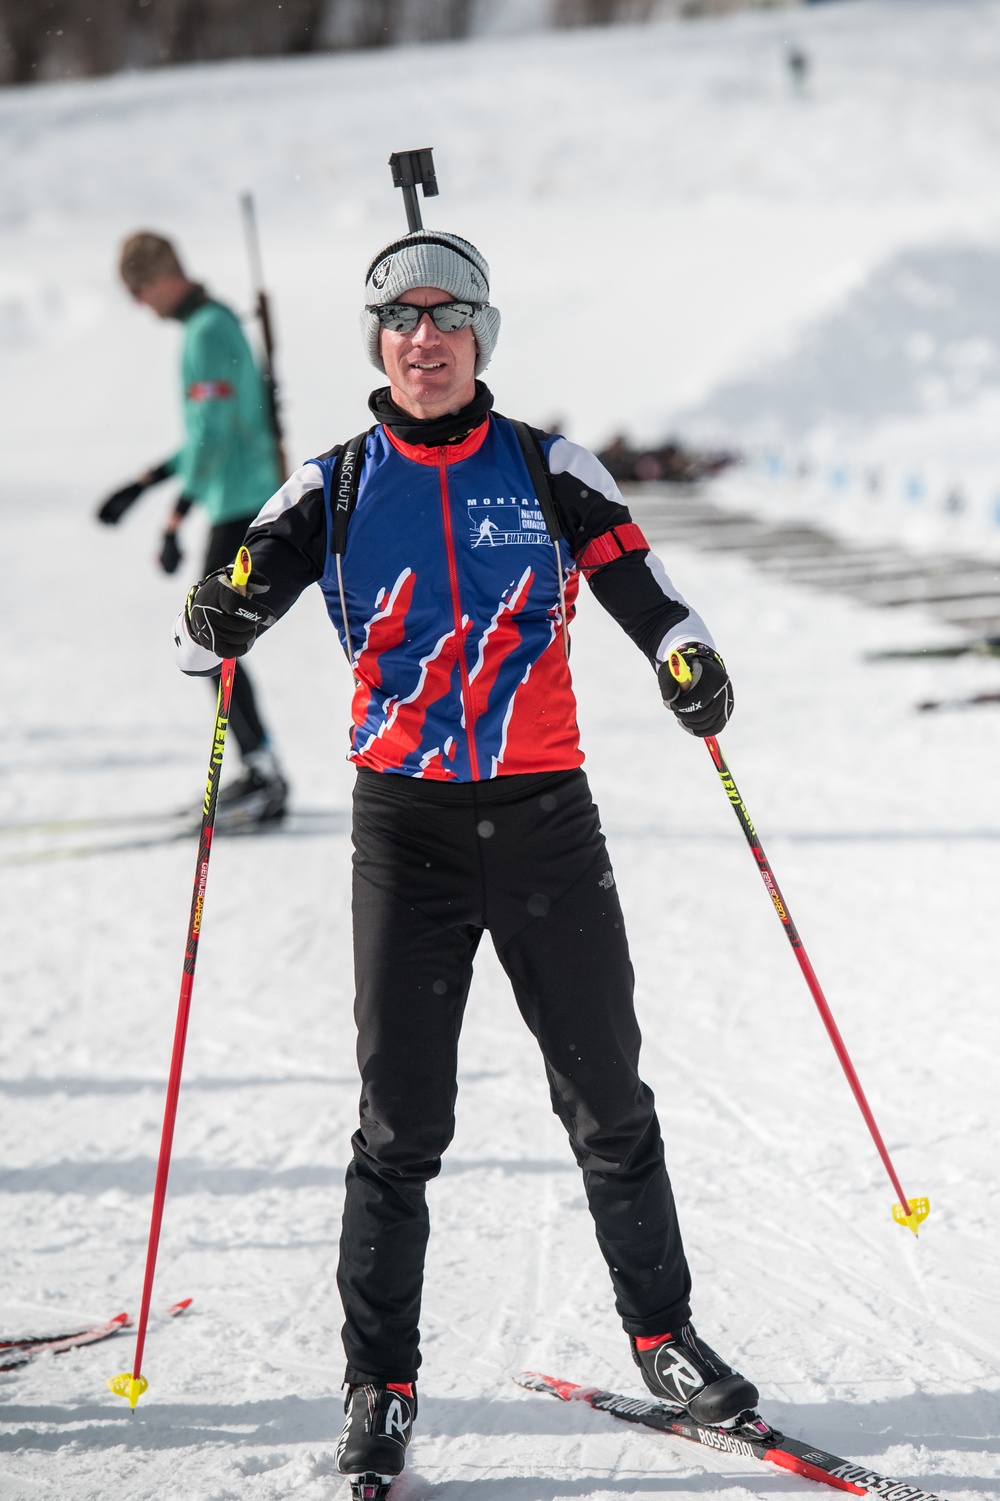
point(811, 1472)
point(752, 1438)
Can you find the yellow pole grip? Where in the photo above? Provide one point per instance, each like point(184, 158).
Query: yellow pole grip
point(679, 670)
point(241, 570)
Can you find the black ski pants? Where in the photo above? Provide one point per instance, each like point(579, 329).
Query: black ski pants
point(224, 541)
point(434, 865)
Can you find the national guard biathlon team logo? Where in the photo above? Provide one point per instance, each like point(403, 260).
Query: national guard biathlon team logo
point(505, 522)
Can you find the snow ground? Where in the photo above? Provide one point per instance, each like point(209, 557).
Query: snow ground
point(881, 824)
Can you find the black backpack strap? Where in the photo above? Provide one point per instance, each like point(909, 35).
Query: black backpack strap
point(344, 482)
point(344, 489)
point(539, 477)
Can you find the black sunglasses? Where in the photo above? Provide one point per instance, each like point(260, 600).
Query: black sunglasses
point(447, 317)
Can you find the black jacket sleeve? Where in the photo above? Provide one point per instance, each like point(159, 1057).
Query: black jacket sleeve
point(289, 539)
point(632, 584)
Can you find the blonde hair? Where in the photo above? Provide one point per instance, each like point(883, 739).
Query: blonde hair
point(145, 257)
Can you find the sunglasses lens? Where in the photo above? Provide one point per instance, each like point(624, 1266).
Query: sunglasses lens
point(451, 316)
point(403, 317)
point(399, 318)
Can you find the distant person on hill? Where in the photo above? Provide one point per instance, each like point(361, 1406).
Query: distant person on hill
point(449, 544)
point(228, 464)
point(797, 60)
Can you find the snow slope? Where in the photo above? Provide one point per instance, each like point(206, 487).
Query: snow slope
point(585, 165)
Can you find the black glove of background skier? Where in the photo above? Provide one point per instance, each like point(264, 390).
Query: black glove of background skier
point(705, 705)
point(113, 509)
point(221, 619)
point(170, 553)
point(171, 556)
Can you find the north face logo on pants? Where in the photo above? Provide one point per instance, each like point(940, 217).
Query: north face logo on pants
point(672, 1368)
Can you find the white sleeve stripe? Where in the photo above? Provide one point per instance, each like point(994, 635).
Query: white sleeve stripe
point(687, 633)
point(569, 458)
point(693, 628)
point(306, 478)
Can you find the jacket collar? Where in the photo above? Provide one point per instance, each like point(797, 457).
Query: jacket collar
point(431, 432)
point(442, 453)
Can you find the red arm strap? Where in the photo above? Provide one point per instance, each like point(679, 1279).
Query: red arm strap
point(611, 545)
point(210, 390)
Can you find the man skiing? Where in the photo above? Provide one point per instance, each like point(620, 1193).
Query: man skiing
point(228, 464)
point(471, 811)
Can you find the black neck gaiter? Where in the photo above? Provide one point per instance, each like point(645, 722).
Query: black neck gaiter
point(431, 432)
point(190, 303)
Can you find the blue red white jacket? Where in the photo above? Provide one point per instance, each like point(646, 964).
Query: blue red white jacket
point(454, 628)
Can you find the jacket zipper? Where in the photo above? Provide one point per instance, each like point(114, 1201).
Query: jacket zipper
point(456, 606)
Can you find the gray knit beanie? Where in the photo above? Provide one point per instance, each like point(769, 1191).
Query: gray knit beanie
point(430, 258)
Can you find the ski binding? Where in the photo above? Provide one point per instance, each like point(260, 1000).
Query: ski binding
point(370, 1487)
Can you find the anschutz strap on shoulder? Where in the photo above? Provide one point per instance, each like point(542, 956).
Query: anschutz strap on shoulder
point(344, 488)
point(539, 477)
point(344, 482)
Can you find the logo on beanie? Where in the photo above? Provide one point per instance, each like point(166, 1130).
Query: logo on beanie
point(381, 273)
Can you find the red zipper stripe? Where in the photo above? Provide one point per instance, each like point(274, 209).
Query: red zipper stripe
point(456, 606)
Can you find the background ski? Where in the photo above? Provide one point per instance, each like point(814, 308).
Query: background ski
point(750, 1439)
point(99, 847)
point(15, 1353)
point(166, 829)
point(96, 821)
point(981, 646)
point(32, 1341)
point(18, 1352)
point(185, 816)
point(971, 701)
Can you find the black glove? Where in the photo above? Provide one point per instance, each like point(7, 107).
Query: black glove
point(221, 619)
point(114, 508)
point(702, 707)
point(170, 553)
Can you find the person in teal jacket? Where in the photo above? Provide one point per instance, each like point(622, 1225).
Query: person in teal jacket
point(228, 464)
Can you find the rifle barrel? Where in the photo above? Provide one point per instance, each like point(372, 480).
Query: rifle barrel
point(263, 312)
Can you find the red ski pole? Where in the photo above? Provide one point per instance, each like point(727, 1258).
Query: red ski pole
point(132, 1384)
point(909, 1212)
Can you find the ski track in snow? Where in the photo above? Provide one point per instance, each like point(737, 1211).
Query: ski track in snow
point(880, 823)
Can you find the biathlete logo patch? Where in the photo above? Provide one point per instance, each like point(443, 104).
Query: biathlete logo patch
point(505, 522)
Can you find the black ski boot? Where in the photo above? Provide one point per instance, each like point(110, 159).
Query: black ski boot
point(684, 1371)
point(372, 1447)
point(259, 796)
